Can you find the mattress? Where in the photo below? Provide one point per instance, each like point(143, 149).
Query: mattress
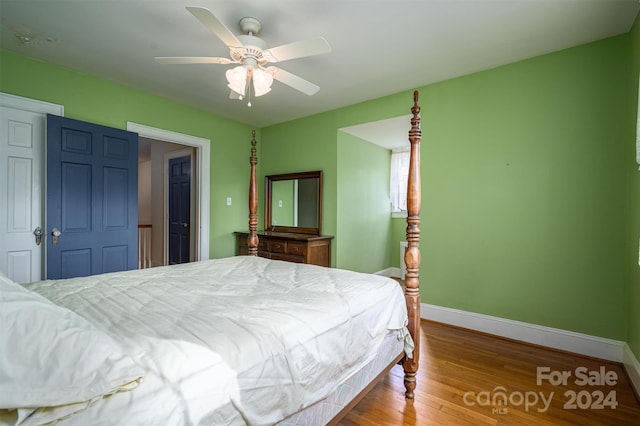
point(234, 341)
point(322, 412)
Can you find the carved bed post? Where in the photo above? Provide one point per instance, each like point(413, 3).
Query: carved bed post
point(252, 239)
point(412, 254)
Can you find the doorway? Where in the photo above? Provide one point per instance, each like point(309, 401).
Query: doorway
point(149, 139)
point(160, 240)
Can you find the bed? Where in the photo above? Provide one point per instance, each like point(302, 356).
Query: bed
point(232, 341)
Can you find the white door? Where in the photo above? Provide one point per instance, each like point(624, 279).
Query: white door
point(22, 130)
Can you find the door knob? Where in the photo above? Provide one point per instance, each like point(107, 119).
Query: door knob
point(55, 233)
point(38, 232)
point(184, 224)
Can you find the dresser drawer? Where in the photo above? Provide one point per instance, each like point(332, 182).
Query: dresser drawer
point(277, 246)
point(243, 248)
point(287, 257)
point(242, 243)
point(296, 248)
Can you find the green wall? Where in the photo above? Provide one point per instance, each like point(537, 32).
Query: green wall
point(363, 207)
point(398, 233)
point(634, 196)
point(102, 102)
point(524, 200)
point(526, 193)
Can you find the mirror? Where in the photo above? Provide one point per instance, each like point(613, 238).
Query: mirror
point(294, 202)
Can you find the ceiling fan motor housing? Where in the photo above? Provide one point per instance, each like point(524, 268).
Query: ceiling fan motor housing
point(253, 47)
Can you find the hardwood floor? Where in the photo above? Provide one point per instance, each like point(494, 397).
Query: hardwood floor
point(463, 372)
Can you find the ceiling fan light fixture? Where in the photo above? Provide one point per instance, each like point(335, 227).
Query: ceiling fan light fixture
point(262, 81)
point(237, 78)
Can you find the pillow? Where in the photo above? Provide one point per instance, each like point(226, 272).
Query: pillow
point(51, 356)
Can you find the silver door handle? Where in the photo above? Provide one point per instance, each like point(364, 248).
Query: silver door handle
point(184, 224)
point(38, 232)
point(55, 233)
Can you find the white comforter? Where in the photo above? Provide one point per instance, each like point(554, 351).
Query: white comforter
point(240, 340)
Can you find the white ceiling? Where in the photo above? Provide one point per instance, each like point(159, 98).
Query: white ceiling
point(390, 133)
point(378, 47)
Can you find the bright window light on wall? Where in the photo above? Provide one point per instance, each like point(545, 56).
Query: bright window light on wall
point(398, 180)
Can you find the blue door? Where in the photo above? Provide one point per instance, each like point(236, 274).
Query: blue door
point(179, 209)
point(92, 199)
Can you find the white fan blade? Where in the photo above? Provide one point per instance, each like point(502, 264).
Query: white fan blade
point(293, 80)
point(192, 60)
point(214, 25)
point(298, 49)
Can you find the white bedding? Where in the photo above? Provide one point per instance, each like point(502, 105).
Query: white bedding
point(240, 340)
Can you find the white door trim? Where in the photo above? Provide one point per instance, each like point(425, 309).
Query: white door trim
point(203, 172)
point(33, 105)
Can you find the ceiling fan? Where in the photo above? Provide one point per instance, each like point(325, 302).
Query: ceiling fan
point(252, 54)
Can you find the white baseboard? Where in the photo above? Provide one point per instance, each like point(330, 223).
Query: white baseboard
point(583, 344)
point(390, 272)
point(632, 366)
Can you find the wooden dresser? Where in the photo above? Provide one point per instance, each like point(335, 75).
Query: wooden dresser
point(299, 248)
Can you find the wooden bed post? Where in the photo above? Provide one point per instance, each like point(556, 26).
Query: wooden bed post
point(412, 253)
point(252, 239)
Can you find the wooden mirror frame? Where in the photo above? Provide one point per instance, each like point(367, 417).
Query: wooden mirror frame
point(267, 209)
